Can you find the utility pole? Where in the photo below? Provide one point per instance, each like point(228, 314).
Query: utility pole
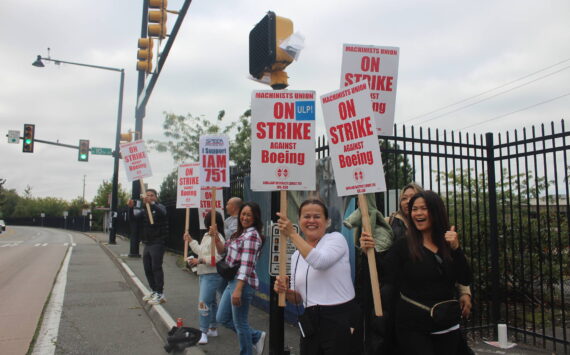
point(84, 189)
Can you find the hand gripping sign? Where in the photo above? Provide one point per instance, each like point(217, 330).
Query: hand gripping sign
point(214, 171)
point(355, 155)
point(188, 193)
point(379, 67)
point(137, 166)
point(283, 149)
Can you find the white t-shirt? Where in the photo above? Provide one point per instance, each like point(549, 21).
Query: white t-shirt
point(328, 267)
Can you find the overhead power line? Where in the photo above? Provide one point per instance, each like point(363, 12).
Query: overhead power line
point(490, 90)
point(519, 110)
point(495, 95)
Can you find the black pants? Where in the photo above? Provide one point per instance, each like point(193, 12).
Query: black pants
point(333, 334)
point(412, 342)
point(152, 262)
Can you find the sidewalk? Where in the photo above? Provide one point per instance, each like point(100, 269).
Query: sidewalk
point(181, 291)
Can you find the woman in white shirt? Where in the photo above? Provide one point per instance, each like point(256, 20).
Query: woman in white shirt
point(210, 281)
point(321, 280)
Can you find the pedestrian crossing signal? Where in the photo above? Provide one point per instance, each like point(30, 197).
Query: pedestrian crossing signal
point(83, 154)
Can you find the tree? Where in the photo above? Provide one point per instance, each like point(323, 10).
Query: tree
point(168, 187)
point(183, 133)
point(102, 197)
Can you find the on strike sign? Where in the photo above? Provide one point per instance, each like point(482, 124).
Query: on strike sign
point(282, 140)
point(214, 161)
point(188, 189)
point(206, 203)
point(136, 160)
point(378, 66)
point(353, 143)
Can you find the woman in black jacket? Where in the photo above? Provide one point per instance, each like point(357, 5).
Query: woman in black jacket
point(425, 266)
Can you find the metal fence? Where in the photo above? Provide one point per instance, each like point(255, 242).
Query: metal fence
point(77, 223)
point(508, 196)
point(507, 193)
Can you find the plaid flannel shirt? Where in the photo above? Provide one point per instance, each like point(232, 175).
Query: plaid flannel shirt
point(245, 250)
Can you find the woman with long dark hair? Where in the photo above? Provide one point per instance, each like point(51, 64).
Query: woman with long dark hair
point(242, 248)
point(425, 266)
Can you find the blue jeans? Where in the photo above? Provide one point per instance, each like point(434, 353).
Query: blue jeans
point(210, 285)
point(236, 318)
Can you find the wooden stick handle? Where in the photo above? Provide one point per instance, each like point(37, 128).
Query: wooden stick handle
point(363, 205)
point(143, 192)
point(213, 223)
point(186, 227)
point(282, 245)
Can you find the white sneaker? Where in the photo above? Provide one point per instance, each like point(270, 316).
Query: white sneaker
point(148, 297)
point(258, 347)
point(157, 299)
point(212, 332)
point(203, 339)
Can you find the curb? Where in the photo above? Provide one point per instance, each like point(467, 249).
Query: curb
point(159, 316)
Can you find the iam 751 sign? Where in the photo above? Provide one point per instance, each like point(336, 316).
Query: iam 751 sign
point(214, 161)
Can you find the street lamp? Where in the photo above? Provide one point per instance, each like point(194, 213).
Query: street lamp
point(114, 195)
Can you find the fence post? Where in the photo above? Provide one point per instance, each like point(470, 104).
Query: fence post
point(493, 231)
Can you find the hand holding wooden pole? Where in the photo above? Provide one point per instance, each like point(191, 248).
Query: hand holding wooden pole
point(363, 205)
point(282, 245)
point(143, 192)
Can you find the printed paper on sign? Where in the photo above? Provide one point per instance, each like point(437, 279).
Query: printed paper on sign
point(214, 161)
point(135, 158)
point(283, 140)
point(353, 143)
point(206, 203)
point(188, 186)
point(379, 67)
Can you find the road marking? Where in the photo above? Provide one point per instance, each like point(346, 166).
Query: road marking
point(37, 244)
point(47, 337)
point(166, 317)
point(66, 244)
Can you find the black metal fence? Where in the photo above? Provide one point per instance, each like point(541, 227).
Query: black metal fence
point(508, 196)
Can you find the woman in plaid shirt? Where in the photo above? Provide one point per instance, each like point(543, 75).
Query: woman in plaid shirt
point(242, 248)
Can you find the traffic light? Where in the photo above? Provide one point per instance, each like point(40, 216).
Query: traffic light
point(126, 137)
point(28, 144)
point(83, 154)
point(265, 56)
point(145, 55)
point(157, 18)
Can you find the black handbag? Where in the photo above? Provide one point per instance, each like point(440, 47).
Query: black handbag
point(227, 272)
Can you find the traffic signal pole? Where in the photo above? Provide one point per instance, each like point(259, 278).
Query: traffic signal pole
point(143, 95)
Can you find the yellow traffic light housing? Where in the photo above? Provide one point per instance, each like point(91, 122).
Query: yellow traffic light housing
point(157, 18)
point(83, 154)
point(145, 55)
point(28, 143)
point(126, 137)
point(265, 55)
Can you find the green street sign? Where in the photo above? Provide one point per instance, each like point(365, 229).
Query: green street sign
point(101, 151)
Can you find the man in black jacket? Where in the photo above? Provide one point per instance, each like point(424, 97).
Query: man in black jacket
point(153, 237)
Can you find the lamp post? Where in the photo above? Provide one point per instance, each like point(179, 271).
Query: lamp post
point(115, 191)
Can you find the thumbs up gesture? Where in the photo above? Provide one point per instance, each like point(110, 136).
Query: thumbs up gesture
point(452, 238)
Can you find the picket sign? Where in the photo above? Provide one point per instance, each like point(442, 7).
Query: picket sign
point(214, 173)
point(137, 166)
point(355, 156)
point(283, 150)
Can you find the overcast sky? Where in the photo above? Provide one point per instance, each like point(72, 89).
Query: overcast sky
point(449, 51)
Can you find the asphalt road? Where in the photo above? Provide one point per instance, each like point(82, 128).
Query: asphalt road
point(91, 309)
